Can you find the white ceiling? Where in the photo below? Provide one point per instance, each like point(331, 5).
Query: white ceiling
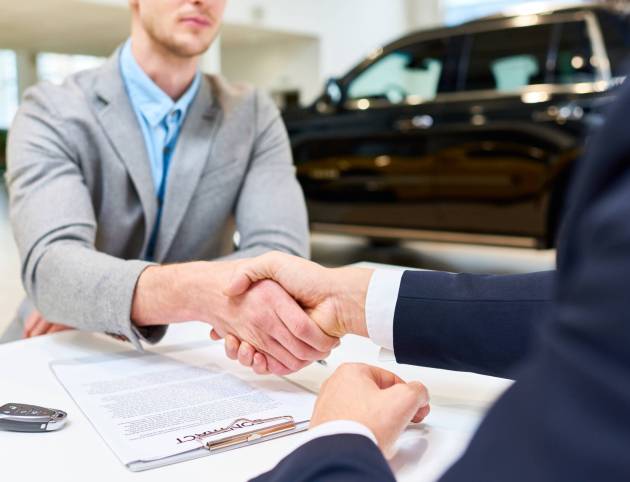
point(69, 26)
point(94, 28)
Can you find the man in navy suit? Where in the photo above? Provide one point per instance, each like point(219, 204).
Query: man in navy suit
point(564, 337)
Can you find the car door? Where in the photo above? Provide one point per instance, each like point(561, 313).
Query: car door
point(516, 123)
point(370, 163)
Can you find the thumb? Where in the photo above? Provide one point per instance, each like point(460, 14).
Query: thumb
point(248, 272)
point(239, 284)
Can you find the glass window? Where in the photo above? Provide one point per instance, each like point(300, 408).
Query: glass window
point(616, 33)
point(509, 59)
point(458, 11)
point(574, 58)
point(56, 67)
point(414, 71)
point(8, 88)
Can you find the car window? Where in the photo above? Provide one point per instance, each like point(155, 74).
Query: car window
point(410, 72)
point(616, 32)
point(508, 59)
point(574, 60)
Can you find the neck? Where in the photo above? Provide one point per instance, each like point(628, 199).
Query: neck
point(171, 73)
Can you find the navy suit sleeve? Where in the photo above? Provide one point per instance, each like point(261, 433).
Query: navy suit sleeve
point(337, 458)
point(466, 322)
point(566, 418)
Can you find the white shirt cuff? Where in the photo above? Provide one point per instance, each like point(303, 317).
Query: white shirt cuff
point(380, 305)
point(338, 427)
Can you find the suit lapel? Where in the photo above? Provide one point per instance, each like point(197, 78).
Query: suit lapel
point(191, 155)
point(117, 118)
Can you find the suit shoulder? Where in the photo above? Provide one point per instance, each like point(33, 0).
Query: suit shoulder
point(230, 92)
point(60, 99)
point(238, 95)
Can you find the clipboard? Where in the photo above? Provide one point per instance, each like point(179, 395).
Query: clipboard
point(104, 388)
point(223, 440)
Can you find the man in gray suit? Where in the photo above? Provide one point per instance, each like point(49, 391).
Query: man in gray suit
point(124, 182)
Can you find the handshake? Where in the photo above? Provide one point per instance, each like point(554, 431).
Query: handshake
point(278, 313)
point(301, 311)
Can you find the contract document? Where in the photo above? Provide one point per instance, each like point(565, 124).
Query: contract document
point(181, 402)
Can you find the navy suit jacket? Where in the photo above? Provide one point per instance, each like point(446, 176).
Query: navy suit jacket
point(564, 336)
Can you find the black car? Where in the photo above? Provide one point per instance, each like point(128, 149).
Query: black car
point(466, 133)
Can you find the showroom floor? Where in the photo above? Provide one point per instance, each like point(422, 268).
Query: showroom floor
point(330, 250)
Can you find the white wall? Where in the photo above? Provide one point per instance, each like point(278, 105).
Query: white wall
point(275, 66)
point(347, 29)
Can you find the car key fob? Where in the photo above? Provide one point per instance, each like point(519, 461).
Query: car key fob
point(19, 417)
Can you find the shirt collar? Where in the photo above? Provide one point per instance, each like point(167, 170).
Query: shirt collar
point(151, 101)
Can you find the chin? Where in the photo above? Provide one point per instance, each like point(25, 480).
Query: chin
point(190, 47)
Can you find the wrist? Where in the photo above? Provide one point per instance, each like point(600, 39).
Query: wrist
point(176, 293)
point(350, 292)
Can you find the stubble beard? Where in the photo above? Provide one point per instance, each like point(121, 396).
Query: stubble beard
point(170, 44)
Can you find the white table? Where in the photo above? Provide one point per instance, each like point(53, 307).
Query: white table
point(78, 453)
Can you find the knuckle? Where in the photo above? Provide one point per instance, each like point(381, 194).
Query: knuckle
point(293, 364)
point(302, 330)
point(265, 290)
point(274, 256)
point(345, 368)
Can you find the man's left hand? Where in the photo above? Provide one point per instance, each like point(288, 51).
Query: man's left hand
point(373, 397)
point(37, 325)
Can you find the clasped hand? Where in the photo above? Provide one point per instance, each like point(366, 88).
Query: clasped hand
point(334, 299)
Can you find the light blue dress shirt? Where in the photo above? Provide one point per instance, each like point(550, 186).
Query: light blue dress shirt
point(160, 120)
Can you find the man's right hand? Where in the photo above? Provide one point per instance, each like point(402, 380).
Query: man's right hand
point(333, 298)
point(264, 316)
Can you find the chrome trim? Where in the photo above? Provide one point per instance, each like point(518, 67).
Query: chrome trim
point(474, 95)
point(427, 235)
point(599, 47)
point(537, 8)
point(25, 418)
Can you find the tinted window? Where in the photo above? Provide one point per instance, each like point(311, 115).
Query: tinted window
point(509, 59)
point(413, 71)
point(616, 33)
point(573, 60)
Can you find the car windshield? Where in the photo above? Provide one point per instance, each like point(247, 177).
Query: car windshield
point(411, 72)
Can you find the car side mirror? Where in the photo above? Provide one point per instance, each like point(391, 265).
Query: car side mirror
point(334, 93)
point(332, 99)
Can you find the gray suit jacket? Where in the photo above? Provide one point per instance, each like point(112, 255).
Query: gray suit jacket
point(83, 204)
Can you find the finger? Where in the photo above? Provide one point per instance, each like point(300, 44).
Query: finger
point(296, 347)
point(232, 345)
point(279, 360)
point(58, 328)
point(246, 354)
point(272, 347)
point(30, 323)
point(215, 336)
point(276, 368)
point(421, 414)
point(302, 327)
point(268, 343)
point(407, 400)
point(383, 378)
point(260, 364)
point(41, 328)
